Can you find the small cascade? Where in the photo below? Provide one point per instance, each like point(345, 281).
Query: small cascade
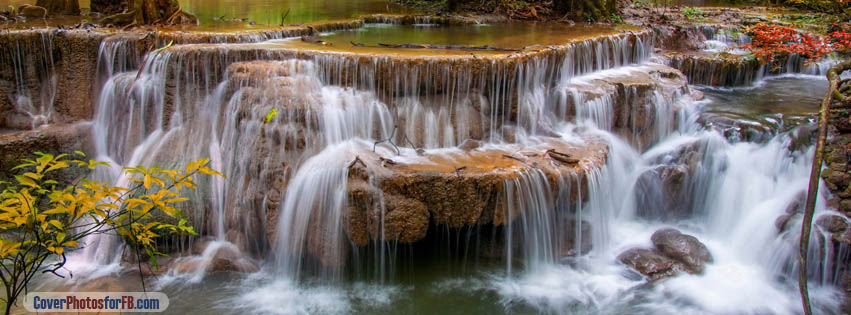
point(529, 198)
point(722, 63)
point(538, 169)
point(28, 60)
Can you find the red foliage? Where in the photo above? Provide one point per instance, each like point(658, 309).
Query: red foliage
point(771, 42)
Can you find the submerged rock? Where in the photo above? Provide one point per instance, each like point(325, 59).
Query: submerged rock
point(832, 223)
point(782, 222)
point(568, 244)
point(682, 247)
point(673, 252)
point(215, 256)
point(650, 263)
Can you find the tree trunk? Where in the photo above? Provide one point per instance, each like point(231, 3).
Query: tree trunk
point(108, 7)
point(815, 176)
point(148, 12)
point(60, 7)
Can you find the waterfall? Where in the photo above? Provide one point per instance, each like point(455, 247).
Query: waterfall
point(307, 139)
point(33, 77)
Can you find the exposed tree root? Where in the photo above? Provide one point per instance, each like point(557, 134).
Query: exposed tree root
point(29, 10)
point(150, 12)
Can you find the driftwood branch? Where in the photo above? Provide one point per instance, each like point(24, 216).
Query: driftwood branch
point(514, 158)
point(815, 175)
point(385, 161)
point(459, 169)
point(314, 40)
point(561, 157)
point(356, 161)
point(390, 140)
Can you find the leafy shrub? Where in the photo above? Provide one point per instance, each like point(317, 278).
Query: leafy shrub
point(41, 221)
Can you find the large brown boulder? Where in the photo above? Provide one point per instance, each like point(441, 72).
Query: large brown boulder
point(682, 247)
point(650, 263)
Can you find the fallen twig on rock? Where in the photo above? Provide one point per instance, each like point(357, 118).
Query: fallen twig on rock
point(385, 161)
point(419, 151)
point(357, 160)
point(514, 158)
point(561, 157)
point(314, 40)
point(388, 140)
point(458, 170)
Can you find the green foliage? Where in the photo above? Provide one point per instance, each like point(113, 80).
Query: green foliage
point(271, 115)
point(615, 18)
point(692, 13)
point(733, 33)
point(41, 221)
point(824, 6)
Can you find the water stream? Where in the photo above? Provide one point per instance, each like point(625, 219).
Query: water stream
point(735, 156)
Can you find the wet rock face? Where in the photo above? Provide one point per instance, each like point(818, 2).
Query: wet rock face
point(683, 248)
point(212, 256)
point(649, 262)
point(49, 74)
point(832, 223)
point(55, 139)
point(782, 222)
point(630, 99)
point(671, 201)
point(680, 38)
point(673, 252)
point(739, 128)
point(706, 70)
point(666, 192)
point(458, 190)
point(569, 246)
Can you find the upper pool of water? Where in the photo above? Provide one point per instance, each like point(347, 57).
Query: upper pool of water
point(774, 105)
point(512, 36)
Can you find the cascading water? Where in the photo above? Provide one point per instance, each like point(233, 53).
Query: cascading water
point(286, 206)
point(34, 77)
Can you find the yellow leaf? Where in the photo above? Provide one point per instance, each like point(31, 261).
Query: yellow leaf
point(56, 166)
point(42, 162)
point(56, 223)
point(147, 181)
point(209, 171)
point(26, 181)
point(57, 210)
